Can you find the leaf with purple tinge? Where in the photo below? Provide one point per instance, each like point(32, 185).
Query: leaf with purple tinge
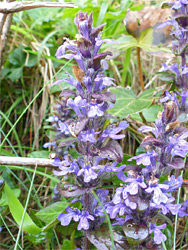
point(67, 92)
point(135, 234)
point(75, 127)
point(106, 96)
point(101, 240)
point(113, 151)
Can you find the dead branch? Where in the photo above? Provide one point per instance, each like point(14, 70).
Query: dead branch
point(13, 7)
point(24, 161)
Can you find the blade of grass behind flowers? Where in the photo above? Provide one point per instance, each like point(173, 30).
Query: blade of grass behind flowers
point(176, 217)
point(9, 231)
point(19, 118)
point(181, 242)
point(14, 130)
point(163, 244)
point(38, 172)
point(107, 218)
point(8, 141)
point(25, 208)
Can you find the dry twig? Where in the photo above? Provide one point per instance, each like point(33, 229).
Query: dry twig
point(24, 161)
point(13, 7)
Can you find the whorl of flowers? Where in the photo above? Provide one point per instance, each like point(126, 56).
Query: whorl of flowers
point(86, 131)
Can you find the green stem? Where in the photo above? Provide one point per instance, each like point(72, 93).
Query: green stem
point(176, 218)
point(24, 212)
point(107, 218)
point(9, 231)
point(126, 66)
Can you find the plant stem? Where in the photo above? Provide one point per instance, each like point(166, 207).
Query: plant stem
point(126, 67)
point(107, 218)
point(140, 68)
point(87, 207)
point(183, 63)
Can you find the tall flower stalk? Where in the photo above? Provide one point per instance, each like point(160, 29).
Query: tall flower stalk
point(138, 202)
point(87, 131)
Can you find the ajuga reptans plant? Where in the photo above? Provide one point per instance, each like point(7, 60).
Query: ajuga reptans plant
point(137, 203)
point(85, 130)
point(80, 119)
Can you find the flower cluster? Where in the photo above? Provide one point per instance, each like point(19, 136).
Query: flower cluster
point(86, 128)
point(80, 121)
point(136, 203)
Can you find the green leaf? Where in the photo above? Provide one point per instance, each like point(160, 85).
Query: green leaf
point(150, 114)
point(18, 57)
point(168, 231)
point(48, 214)
point(17, 210)
point(50, 225)
point(144, 42)
point(66, 245)
point(124, 43)
point(5, 152)
point(127, 103)
point(38, 239)
point(15, 74)
point(39, 154)
point(146, 38)
point(31, 61)
point(3, 200)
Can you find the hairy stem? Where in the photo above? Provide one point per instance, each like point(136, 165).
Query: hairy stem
point(140, 69)
point(183, 62)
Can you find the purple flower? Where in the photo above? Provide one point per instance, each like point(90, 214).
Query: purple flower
point(174, 183)
point(179, 4)
point(134, 185)
point(84, 223)
point(95, 109)
point(183, 211)
point(72, 213)
point(88, 135)
point(65, 166)
point(146, 159)
point(110, 167)
point(113, 131)
point(114, 209)
point(173, 68)
point(169, 96)
point(158, 235)
point(88, 171)
point(158, 192)
point(167, 207)
point(79, 105)
point(50, 144)
point(118, 195)
point(177, 145)
point(1, 182)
